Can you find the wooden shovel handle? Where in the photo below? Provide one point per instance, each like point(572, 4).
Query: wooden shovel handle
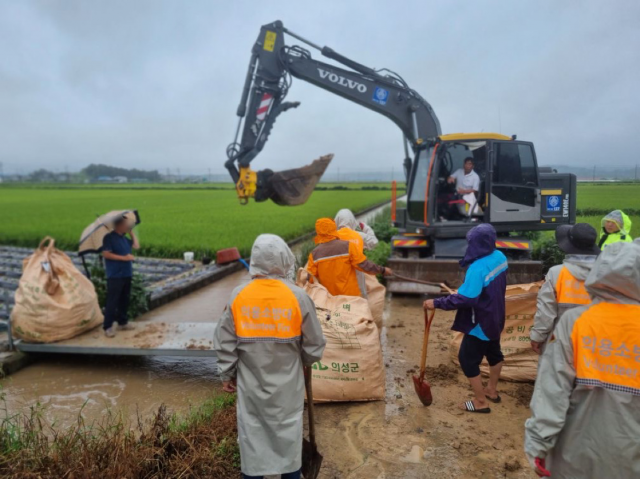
point(428, 319)
point(312, 423)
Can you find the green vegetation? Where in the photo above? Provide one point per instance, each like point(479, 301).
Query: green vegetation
point(202, 221)
point(596, 200)
point(386, 186)
point(202, 443)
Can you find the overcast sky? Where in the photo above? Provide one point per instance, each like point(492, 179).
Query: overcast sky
point(155, 84)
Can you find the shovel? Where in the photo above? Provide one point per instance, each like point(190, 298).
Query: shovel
point(442, 286)
point(311, 458)
point(423, 389)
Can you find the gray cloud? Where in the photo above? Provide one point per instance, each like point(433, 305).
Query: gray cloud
point(155, 84)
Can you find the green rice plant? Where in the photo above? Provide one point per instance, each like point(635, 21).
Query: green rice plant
point(599, 199)
point(173, 221)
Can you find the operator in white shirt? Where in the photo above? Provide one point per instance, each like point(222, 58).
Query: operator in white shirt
point(467, 182)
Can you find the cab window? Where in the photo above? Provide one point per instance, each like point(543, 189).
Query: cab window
point(515, 165)
point(415, 207)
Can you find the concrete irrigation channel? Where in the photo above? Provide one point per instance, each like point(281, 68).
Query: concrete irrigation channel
point(394, 438)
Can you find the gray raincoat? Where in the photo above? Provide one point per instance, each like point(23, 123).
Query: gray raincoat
point(549, 310)
point(585, 410)
point(345, 219)
point(269, 371)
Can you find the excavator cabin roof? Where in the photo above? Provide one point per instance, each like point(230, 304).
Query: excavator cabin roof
point(473, 136)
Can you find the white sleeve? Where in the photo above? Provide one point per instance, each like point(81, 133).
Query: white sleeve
point(456, 175)
point(368, 236)
point(476, 182)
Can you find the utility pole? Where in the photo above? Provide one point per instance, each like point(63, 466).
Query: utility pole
point(594, 173)
point(635, 176)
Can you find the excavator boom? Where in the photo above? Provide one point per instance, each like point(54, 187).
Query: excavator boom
point(271, 68)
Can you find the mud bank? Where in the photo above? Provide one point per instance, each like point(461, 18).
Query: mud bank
point(400, 438)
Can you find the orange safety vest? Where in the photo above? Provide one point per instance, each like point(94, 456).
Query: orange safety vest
point(347, 234)
point(267, 310)
point(606, 347)
point(569, 290)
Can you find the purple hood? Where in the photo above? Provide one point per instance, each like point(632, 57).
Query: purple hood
point(481, 242)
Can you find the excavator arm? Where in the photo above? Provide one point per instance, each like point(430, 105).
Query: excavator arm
point(271, 68)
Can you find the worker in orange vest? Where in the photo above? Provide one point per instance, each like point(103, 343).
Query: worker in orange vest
point(335, 262)
point(267, 333)
point(564, 285)
point(585, 409)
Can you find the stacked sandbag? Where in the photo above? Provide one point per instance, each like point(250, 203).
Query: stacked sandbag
point(520, 361)
point(351, 368)
point(376, 293)
point(54, 300)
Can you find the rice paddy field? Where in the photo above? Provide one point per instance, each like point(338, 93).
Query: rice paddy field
point(172, 221)
point(199, 218)
point(596, 200)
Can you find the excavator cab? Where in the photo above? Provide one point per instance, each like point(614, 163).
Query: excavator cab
point(507, 188)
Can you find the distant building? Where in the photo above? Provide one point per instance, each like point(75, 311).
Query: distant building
point(120, 179)
point(105, 179)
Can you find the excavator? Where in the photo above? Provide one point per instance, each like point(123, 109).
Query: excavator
point(514, 194)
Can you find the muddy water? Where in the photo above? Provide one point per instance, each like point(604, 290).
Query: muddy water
point(68, 385)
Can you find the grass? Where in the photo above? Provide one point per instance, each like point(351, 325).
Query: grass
point(179, 217)
point(596, 200)
point(202, 443)
point(202, 221)
point(603, 198)
point(186, 186)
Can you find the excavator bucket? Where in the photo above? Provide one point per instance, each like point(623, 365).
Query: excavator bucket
point(293, 187)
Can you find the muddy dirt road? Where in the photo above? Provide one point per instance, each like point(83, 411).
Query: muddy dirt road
point(400, 438)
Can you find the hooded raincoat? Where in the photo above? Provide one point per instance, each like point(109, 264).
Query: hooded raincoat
point(562, 290)
point(345, 219)
point(480, 300)
point(365, 239)
point(267, 333)
point(623, 234)
point(585, 410)
point(334, 262)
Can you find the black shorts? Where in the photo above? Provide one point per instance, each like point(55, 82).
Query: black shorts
point(473, 350)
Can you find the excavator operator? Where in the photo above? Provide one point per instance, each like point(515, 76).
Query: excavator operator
point(467, 184)
point(467, 181)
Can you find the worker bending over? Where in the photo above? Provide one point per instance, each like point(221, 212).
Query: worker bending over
point(364, 239)
point(585, 410)
point(267, 333)
point(616, 226)
point(480, 302)
point(563, 288)
point(334, 261)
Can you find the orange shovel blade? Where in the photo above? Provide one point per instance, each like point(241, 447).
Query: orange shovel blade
point(423, 390)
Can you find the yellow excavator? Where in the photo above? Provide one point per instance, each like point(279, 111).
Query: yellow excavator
point(514, 194)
